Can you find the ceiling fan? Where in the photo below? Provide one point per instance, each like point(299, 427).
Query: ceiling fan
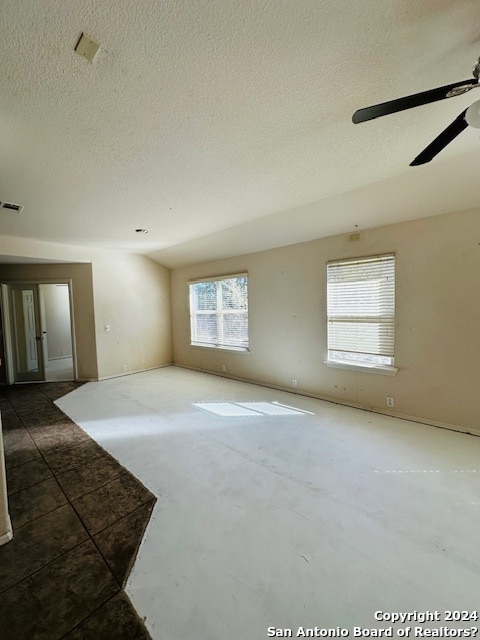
point(470, 116)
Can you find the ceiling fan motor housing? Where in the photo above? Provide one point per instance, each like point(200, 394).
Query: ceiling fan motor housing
point(476, 69)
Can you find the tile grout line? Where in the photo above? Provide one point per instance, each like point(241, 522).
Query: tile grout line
point(30, 575)
point(18, 527)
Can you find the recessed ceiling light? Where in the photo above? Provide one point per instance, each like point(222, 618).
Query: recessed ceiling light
point(141, 230)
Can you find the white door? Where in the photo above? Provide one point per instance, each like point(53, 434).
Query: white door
point(28, 304)
point(27, 335)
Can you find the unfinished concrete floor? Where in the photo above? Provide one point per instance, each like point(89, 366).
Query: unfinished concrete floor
point(271, 517)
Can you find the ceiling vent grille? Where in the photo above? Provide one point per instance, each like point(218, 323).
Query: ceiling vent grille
point(9, 206)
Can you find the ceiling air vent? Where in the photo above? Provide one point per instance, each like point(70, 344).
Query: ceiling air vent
point(9, 206)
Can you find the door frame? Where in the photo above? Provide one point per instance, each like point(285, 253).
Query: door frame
point(8, 335)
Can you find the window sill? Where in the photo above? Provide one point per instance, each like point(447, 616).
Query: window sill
point(365, 368)
point(214, 347)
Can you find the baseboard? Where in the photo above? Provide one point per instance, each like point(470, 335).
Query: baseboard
point(344, 403)
point(6, 537)
point(131, 373)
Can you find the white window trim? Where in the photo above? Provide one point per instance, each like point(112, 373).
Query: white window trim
point(202, 345)
point(219, 347)
point(365, 368)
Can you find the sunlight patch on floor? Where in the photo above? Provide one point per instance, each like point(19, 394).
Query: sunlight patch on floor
point(248, 409)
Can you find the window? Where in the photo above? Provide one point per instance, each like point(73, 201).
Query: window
point(361, 311)
point(219, 312)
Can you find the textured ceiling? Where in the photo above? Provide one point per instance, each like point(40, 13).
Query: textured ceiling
point(224, 126)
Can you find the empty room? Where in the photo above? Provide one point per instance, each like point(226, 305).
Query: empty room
point(240, 311)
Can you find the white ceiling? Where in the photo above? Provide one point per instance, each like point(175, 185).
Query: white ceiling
point(224, 126)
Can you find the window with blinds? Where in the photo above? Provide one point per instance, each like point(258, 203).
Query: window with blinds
point(219, 312)
point(361, 310)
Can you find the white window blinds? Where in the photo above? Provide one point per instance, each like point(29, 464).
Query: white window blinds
point(219, 312)
point(361, 309)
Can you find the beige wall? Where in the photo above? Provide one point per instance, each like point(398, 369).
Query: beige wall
point(132, 298)
point(437, 319)
point(83, 311)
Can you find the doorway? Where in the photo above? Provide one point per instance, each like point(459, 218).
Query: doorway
point(38, 332)
point(55, 320)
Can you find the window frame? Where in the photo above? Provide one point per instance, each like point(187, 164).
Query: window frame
point(363, 366)
point(220, 314)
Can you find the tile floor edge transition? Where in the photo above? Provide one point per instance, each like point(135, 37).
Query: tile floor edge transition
point(97, 532)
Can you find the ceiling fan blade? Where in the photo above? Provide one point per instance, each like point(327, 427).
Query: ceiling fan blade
point(441, 141)
point(415, 100)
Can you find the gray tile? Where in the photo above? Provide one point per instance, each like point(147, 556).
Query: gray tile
point(101, 508)
point(26, 475)
point(119, 543)
point(90, 476)
point(116, 619)
point(53, 580)
point(10, 421)
point(44, 419)
point(38, 543)
point(34, 502)
point(55, 390)
point(61, 459)
point(19, 447)
point(41, 415)
point(50, 603)
point(56, 436)
point(21, 397)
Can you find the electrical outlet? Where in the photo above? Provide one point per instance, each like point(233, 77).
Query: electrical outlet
point(224, 368)
point(294, 383)
point(390, 402)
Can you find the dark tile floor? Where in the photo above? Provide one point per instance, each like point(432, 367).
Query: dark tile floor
point(78, 518)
